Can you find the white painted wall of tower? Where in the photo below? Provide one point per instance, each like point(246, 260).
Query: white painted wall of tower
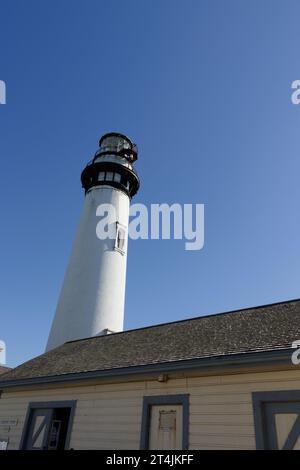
point(93, 293)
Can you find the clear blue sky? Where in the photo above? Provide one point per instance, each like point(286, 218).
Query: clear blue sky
point(203, 88)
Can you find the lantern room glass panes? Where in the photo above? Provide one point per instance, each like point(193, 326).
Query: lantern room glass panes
point(109, 176)
point(114, 143)
point(117, 177)
point(101, 176)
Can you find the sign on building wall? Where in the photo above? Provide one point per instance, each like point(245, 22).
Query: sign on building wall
point(3, 445)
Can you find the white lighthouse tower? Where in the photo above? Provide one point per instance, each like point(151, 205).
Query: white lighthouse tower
point(92, 298)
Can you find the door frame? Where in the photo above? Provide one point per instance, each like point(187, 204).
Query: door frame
point(148, 401)
point(261, 421)
point(47, 404)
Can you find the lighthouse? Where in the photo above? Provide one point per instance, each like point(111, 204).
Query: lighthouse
point(92, 297)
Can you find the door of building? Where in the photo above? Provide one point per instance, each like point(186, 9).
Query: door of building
point(282, 425)
point(165, 427)
point(38, 429)
point(47, 429)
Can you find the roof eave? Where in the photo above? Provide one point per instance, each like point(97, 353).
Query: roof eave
point(262, 358)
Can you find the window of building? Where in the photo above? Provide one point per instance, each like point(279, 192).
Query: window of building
point(120, 238)
point(117, 177)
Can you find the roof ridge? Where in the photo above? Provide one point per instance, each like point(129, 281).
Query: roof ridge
point(230, 312)
point(252, 331)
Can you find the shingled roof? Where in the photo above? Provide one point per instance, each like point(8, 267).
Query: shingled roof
point(4, 369)
point(234, 334)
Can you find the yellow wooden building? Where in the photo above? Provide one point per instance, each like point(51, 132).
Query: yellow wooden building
point(224, 381)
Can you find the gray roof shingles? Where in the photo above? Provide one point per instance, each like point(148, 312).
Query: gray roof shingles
point(259, 329)
point(4, 369)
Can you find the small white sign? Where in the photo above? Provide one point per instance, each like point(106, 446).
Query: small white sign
point(2, 352)
point(2, 92)
point(3, 445)
point(8, 422)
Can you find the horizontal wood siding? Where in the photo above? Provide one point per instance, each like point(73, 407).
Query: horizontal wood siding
point(108, 415)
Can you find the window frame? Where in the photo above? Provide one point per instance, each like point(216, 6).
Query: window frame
point(119, 228)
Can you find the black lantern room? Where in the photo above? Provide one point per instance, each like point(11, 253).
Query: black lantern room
point(112, 165)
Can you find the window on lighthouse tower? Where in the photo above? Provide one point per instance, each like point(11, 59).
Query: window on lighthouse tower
point(117, 177)
point(120, 239)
